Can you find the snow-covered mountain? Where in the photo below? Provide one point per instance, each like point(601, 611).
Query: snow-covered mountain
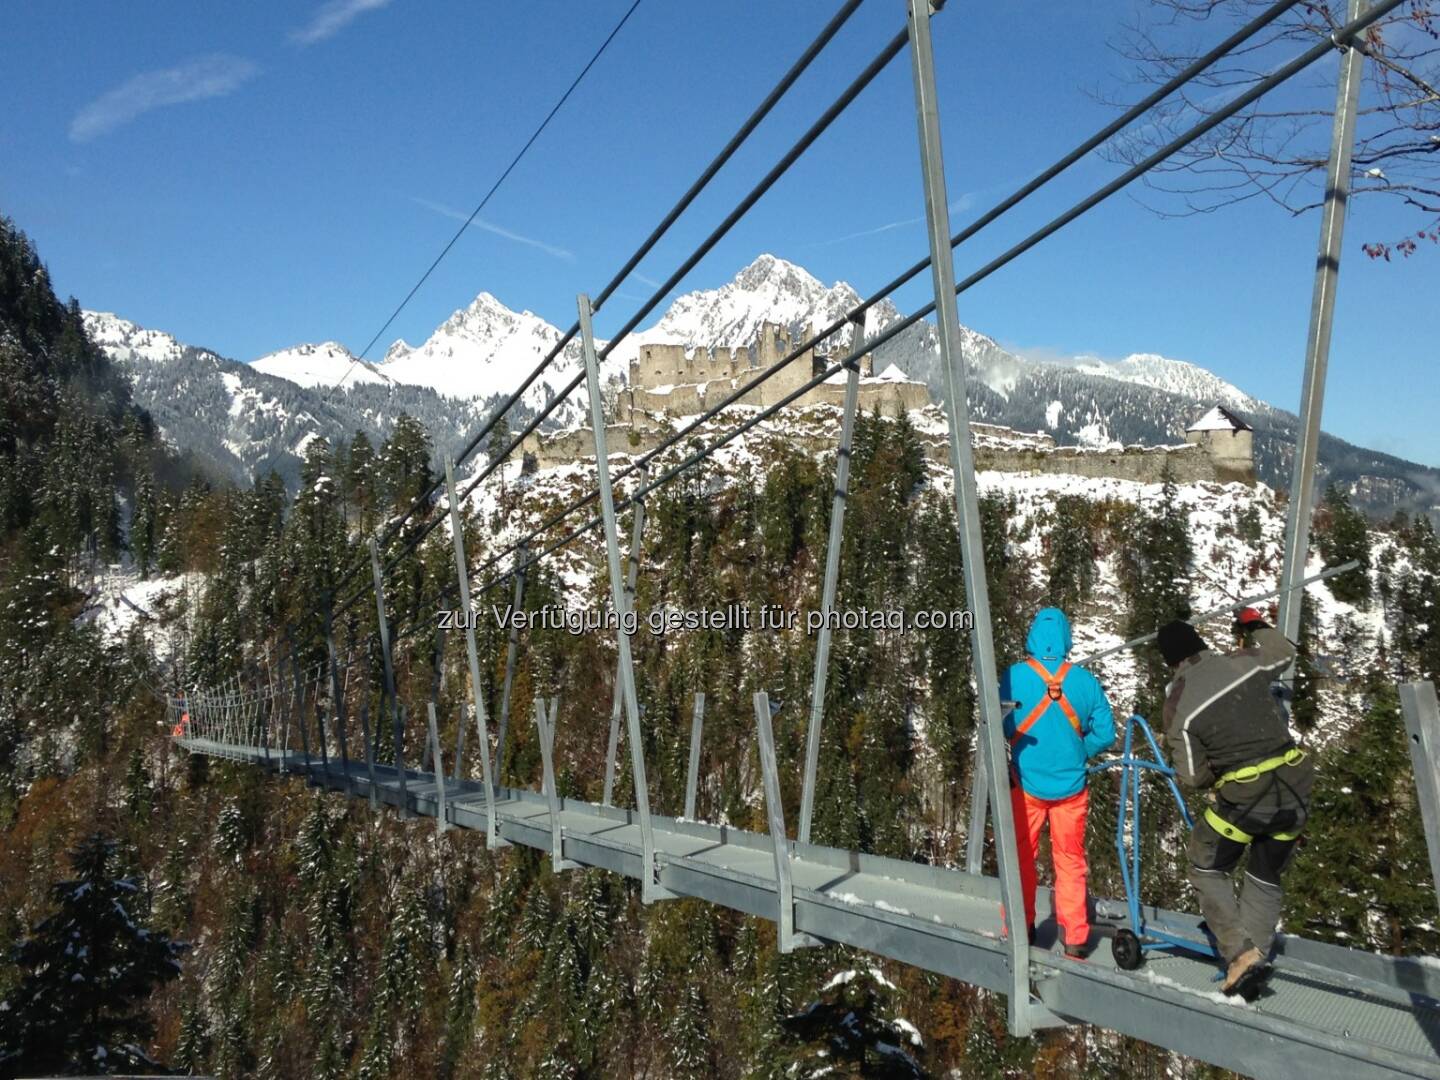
point(240, 421)
point(124, 342)
point(324, 366)
point(483, 351)
point(1174, 377)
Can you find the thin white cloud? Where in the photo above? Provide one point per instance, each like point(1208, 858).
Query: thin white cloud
point(643, 280)
point(332, 17)
point(959, 205)
point(480, 223)
point(195, 80)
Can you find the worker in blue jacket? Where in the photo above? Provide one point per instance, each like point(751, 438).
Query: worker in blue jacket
point(1061, 718)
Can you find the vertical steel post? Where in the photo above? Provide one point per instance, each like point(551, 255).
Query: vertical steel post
point(1317, 345)
point(369, 752)
point(650, 889)
point(398, 724)
point(692, 774)
point(442, 814)
point(299, 702)
point(967, 509)
point(979, 800)
point(512, 651)
point(482, 724)
point(632, 572)
point(788, 939)
point(545, 732)
point(1422, 725)
point(285, 721)
point(827, 594)
point(323, 738)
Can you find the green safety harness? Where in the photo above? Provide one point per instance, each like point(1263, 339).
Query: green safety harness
point(1248, 774)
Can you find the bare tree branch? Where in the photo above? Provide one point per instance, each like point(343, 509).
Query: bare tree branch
point(1277, 149)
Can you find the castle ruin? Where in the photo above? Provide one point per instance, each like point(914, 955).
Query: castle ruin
point(670, 383)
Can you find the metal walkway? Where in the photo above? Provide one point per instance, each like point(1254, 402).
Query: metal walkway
point(1332, 1012)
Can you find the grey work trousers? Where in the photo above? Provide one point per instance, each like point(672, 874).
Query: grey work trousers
point(1252, 919)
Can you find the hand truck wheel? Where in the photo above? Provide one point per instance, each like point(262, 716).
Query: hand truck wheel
point(1125, 948)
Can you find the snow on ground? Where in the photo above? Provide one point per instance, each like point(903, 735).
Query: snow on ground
point(123, 603)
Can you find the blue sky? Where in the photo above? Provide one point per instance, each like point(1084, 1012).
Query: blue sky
point(283, 173)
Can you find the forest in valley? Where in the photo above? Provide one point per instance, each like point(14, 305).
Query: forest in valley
point(161, 911)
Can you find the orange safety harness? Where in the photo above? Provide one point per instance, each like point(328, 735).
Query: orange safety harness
point(1054, 695)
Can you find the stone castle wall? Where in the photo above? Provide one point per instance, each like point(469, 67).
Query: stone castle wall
point(1188, 463)
point(671, 383)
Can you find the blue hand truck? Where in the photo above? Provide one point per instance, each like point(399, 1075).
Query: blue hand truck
point(1129, 944)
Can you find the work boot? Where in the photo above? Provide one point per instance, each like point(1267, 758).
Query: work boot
point(1246, 975)
point(1077, 952)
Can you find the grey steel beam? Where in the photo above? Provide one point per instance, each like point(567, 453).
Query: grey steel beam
point(373, 786)
point(1422, 728)
point(442, 816)
point(299, 705)
point(398, 725)
point(632, 574)
point(1317, 345)
point(979, 801)
point(827, 594)
point(512, 652)
point(650, 888)
point(545, 732)
point(692, 774)
point(789, 939)
point(472, 657)
point(967, 508)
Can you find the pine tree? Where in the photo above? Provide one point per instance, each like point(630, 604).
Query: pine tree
point(1342, 535)
point(86, 973)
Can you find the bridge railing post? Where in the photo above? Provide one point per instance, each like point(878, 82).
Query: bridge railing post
point(297, 703)
point(512, 653)
point(1422, 728)
point(442, 813)
point(967, 509)
point(832, 577)
point(337, 694)
point(472, 657)
point(397, 712)
point(1317, 345)
point(632, 574)
point(369, 753)
point(545, 733)
point(788, 938)
point(650, 888)
point(692, 774)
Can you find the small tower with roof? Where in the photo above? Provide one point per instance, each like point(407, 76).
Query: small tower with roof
point(1229, 442)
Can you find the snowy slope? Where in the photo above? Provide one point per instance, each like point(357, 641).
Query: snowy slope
point(483, 352)
point(239, 421)
point(123, 341)
point(319, 366)
point(768, 290)
point(1174, 377)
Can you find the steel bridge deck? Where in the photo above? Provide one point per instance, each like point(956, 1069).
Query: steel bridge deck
point(1331, 1012)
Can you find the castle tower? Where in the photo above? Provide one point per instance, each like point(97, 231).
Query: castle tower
point(1228, 440)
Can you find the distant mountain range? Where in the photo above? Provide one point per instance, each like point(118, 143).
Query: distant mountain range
point(245, 419)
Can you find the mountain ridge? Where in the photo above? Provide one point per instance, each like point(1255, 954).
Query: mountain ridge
point(476, 358)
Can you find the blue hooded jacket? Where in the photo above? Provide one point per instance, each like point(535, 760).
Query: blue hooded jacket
point(1050, 758)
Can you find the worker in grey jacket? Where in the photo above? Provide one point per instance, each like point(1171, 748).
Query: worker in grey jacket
point(1228, 735)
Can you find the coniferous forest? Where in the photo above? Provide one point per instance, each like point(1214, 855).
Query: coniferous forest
point(163, 912)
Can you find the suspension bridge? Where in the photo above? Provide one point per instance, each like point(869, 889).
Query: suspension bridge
point(1330, 1012)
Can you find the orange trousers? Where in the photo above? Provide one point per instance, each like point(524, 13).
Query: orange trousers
point(1067, 849)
